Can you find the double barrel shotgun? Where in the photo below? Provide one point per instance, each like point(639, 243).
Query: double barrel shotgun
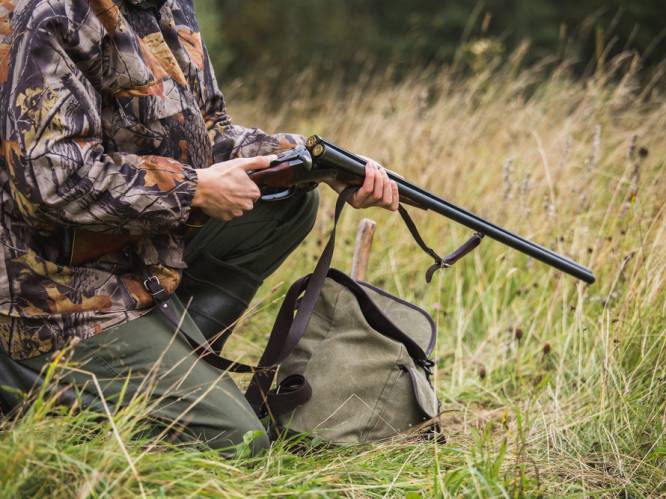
point(305, 166)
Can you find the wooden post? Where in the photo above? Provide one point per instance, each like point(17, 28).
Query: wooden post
point(366, 230)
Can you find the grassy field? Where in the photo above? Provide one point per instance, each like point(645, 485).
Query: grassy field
point(549, 387)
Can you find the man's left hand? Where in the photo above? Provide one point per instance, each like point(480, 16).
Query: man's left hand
point(377, 189)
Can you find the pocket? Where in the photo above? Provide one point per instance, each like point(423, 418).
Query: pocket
point(407, 400)
point(142, 106)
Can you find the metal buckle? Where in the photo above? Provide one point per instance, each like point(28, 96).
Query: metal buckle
point(427, 365)
point(151, 282)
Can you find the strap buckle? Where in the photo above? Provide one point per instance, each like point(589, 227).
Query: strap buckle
point(153, 285)
point(427, 365)
point(443, 264)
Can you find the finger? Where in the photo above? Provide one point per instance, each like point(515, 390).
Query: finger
point(237, 213)
point(378, 191)
point(367, 188)
point(396, 196)
point(387, 194)
point(254, 193)
point(257, 163)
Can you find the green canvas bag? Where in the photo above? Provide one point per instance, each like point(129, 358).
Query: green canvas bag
point(365, 357)
point(352, 361)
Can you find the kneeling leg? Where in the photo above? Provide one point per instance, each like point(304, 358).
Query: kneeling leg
point(228, 261)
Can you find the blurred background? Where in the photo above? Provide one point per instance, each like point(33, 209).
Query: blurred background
point(263, 42)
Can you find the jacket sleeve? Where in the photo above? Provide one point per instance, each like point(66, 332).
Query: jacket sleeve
point(59, 171)
point(234, 141)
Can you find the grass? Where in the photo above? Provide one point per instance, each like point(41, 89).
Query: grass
point(549, 387)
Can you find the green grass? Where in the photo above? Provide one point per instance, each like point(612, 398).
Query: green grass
point(548, 387)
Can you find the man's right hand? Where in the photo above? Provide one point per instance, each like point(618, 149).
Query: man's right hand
point(225, 190)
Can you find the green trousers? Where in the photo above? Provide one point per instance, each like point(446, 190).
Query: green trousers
point(187, 396)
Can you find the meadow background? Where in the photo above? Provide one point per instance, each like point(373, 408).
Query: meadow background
point(546, 117)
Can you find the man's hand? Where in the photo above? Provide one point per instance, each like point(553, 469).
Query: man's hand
point(225, 190)
point(377, 189)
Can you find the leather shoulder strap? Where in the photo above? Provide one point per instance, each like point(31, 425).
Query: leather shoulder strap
point(289, 328)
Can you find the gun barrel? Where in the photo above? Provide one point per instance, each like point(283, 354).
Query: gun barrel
point(331, 155)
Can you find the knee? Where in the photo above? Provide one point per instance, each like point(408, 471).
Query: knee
point(311, 204)
point(307, 204)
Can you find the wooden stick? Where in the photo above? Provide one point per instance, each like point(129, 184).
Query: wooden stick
point(366, 230)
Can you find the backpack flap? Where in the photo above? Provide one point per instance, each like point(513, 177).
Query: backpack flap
point(413, 320)
point(424, 393)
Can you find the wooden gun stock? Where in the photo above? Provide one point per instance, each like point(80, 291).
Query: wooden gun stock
point(88, 246)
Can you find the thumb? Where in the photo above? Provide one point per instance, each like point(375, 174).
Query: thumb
point(257, 162)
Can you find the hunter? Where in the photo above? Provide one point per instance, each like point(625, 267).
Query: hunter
point(114, 129)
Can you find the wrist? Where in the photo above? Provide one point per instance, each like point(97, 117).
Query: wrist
point(198, 200)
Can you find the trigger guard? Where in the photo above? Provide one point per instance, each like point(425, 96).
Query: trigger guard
point(274, 195)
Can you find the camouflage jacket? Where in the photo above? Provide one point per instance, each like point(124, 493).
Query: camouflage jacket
point(109, 108)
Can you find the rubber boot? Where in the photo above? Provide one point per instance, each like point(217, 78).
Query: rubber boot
point(220, 294)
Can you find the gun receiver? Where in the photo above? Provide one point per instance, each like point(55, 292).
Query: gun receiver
point(304, 167)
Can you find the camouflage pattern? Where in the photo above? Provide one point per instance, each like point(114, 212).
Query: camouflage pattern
point(109, 108)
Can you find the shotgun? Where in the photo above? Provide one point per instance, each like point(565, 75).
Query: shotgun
point(304, 167)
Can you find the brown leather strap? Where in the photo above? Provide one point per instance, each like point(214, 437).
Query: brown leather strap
point(289, 328)
point(292, 391)
point(440, 263)
point(202, 350)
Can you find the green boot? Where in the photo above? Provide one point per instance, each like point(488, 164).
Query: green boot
point(220, 294)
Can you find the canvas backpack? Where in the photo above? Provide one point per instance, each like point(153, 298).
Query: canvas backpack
point(352, 361)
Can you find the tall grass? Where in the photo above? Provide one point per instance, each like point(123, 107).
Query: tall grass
point(549, 386)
